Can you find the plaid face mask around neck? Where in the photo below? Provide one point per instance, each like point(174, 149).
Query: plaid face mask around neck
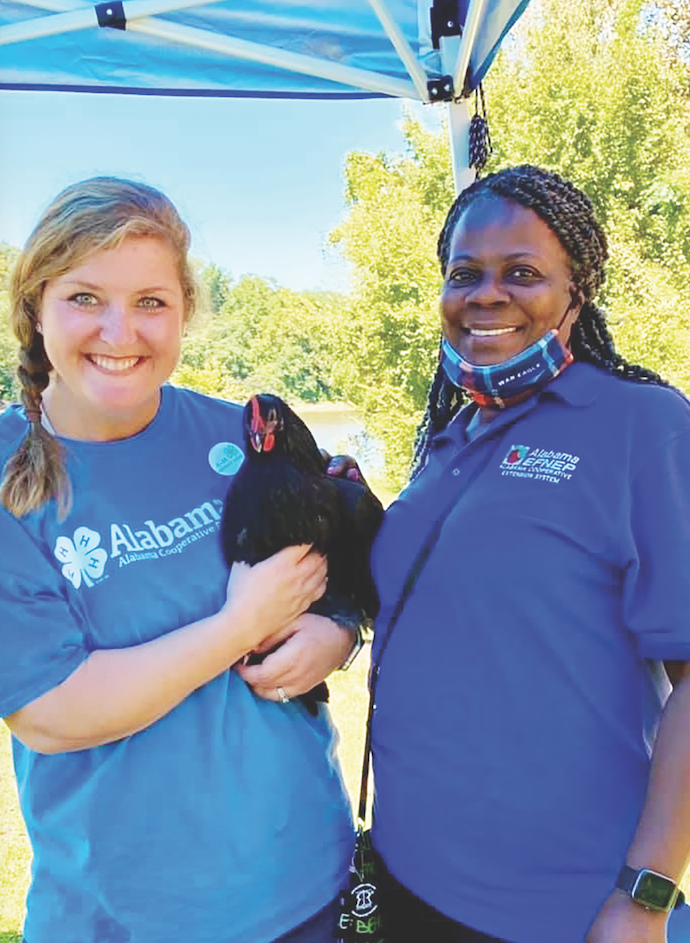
point(504, 384)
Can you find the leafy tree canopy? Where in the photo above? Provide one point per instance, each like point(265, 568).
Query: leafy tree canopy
point(8, 342)
point(264, 338)
point(597, 91)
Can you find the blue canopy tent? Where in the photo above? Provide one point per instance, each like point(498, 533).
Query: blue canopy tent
point(425, 50)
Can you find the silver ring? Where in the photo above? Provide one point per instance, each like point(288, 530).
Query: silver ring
point(284, 699)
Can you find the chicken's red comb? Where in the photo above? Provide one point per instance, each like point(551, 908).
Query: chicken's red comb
point(257, 418)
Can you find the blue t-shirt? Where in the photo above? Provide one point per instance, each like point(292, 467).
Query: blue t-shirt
point(224, 822)
point(517, 699)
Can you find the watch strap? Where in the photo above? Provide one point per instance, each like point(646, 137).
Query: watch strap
point(355, 650)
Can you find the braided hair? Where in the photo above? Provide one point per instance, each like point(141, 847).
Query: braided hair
point(87, 217)
point(569, 214)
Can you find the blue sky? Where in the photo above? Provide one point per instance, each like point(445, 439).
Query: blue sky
point(259, 182)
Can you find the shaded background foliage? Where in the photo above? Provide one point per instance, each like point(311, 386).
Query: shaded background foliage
point(259, 336)
point(8, 345)
point(611, 113)
point(596, 89)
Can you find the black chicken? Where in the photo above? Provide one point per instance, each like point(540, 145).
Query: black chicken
point(282, 496)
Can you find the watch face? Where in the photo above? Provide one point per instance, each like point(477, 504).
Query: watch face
point(653, 890)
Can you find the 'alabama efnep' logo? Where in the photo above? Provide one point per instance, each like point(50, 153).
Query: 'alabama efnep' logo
point(515, 455)
point(523, 461)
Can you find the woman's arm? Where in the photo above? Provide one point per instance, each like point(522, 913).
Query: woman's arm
point(662, 839)
point(117, 692)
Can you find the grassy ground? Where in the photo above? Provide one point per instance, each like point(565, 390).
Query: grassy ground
point(348, 706)
point(14, 850)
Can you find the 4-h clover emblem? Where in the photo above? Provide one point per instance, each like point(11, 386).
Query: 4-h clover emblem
point(82, 557)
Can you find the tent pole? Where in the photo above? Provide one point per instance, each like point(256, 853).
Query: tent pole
point(84, 17)
point(469, 37)
point(57, 6)
point(402, 47)
point(459, 117)
point(230, 46)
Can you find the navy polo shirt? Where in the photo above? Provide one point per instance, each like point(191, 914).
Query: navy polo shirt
point(518, 694)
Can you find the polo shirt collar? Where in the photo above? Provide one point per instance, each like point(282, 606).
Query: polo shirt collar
point(578, 386)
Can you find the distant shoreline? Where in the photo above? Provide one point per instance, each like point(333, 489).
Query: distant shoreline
point(342, 408)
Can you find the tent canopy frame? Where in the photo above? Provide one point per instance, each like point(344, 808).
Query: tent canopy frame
point(440, 72)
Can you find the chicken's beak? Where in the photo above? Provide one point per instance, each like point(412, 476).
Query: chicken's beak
point(257, 429)
point(262, 431)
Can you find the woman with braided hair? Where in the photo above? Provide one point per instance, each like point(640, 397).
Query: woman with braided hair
point(165, 801)
point(531, 759)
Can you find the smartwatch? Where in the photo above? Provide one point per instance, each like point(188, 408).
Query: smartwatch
point(356, 648)
point(650, 889)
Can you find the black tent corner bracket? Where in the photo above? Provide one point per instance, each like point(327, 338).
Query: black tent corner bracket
point(444, 20)
point(111, 14)
point(441, 89)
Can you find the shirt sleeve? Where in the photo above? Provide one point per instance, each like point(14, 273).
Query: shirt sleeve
point(656, 595)
point(41, 635)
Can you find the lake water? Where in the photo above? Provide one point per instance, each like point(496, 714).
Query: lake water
point(339, 430)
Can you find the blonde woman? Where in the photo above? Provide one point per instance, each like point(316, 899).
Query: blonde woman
point(165, 801)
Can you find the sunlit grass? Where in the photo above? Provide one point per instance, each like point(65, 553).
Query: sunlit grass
point(14, 849)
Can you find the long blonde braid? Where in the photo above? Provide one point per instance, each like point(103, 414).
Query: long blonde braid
point(87, 217)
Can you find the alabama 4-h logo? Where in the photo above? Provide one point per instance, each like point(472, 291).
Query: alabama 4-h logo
point(81, 558)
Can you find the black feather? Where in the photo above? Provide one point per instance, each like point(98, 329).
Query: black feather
point(282, 496)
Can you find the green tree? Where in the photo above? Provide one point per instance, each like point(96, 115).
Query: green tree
point(265, 337)
point(592, 89)
point(216, 285)
point(8, 342)
point(211, 380)
point(388, 349)
point(672, 19)
point(589, 89)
